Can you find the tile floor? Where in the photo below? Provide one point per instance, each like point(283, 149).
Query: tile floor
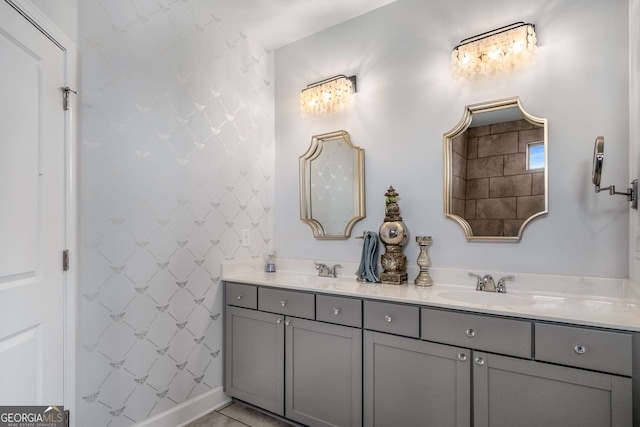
point(237, 415)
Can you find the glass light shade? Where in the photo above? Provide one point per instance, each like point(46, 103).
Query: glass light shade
point(495, 52)
point(327, 96)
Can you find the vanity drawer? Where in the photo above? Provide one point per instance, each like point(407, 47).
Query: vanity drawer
point(488, 333)
point(340, 310)
point(392, 318)
point(289, 303)
point(241, 295)
point(599, 350)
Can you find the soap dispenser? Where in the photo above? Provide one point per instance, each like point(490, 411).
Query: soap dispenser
point(271, 263)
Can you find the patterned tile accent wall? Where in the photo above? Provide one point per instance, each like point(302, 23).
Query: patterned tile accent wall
point(176, 158)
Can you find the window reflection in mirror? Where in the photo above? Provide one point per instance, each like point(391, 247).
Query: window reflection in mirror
point(495, 170)
point(535, 156)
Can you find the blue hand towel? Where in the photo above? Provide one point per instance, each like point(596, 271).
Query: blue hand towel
point(368, 269)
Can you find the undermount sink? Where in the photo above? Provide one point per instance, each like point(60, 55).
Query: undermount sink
point(308, 279)
point(486, 298)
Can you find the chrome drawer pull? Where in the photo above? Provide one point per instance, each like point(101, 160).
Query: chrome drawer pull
point(336, 311)
point(279, 320)
point(388, 318)
point(240, 296)
point(287, 322)
point(283, 302)
point(471, 333)
point(580, 349)
point(462, 357)
point(479, 361)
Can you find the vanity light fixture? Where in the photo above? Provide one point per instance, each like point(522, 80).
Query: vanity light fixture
point(327, 96)
point(496, 51)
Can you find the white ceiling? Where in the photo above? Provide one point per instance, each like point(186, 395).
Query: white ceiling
point(279, 22)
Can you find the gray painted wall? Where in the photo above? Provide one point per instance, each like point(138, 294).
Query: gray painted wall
point(407, 99)
point(634, 133)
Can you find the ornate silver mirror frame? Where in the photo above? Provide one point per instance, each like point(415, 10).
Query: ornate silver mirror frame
point(496, 178)
point(332, 185)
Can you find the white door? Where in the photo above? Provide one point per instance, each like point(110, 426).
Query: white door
point(32, 226)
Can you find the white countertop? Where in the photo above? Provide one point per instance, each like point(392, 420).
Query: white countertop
point(607, 303)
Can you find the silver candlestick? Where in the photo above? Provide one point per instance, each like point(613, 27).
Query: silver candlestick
point(424, 262)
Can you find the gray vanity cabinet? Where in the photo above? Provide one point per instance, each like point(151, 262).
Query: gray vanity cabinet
point(323, 373)
point(328, 360)
point(254, 358)
point(408, 382)
point(271, 353)
point(523, 393)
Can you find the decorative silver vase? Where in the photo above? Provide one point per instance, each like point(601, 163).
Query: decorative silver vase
point(393, 234)
point(424, 262)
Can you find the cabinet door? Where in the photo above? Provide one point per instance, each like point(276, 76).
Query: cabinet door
point(254, 358)
point(323, 373)
point(523, 393)
point(408, 382)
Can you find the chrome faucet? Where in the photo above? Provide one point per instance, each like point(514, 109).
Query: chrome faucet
point(325, 271)
point(487, 284)
point(332, 270)
point(502, 285)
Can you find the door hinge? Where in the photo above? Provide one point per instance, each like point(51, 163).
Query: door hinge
point(66, 101)
point(66, 418)
point(65, 260)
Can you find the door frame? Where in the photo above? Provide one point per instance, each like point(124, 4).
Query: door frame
point(70, 308)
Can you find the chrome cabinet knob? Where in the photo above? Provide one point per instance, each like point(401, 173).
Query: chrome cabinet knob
point(462, 357)
point(240, 296)
point(479, 361)
point(283, 302)
point(287, 322)
point(388, 318)
point(336, 311)
point(471, 333)
point(279, 320)
point(580, 349)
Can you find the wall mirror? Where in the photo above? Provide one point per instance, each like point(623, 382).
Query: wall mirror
point(596, 174)
point(496, 170)
point(332, 185)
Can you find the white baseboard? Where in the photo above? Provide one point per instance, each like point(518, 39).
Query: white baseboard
point(189, 411)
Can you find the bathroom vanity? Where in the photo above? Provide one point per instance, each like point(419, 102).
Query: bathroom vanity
point(336, 352)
